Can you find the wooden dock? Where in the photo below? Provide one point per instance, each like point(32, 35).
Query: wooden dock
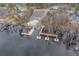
point(46, 34)
point(29, 33)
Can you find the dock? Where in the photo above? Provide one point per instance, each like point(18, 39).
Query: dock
point(46, 34)
point(29, 33)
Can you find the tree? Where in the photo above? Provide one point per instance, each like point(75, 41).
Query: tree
point(2, 4)
point(12, 7)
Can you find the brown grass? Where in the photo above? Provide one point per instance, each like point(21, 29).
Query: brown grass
point(62, 24)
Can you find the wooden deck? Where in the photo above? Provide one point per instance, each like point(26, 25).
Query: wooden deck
point(46, 34)
point(29, 33)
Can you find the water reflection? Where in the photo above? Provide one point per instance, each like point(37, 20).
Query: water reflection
point(11, 43)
